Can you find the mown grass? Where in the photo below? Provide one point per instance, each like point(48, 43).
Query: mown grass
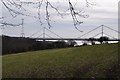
point(0, 66)
point(80, 62)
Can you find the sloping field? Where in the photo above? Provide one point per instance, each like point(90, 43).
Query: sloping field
point(85, 62)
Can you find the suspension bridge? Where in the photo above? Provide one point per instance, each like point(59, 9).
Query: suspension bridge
point(44, 36)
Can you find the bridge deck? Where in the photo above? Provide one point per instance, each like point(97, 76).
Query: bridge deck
point(77, 39)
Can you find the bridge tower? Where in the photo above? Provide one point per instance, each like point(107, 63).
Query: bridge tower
point(102, 30)
point(44, 34)
point(2, 28)
point(22, 29)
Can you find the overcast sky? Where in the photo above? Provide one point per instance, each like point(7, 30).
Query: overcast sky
point(104, 12)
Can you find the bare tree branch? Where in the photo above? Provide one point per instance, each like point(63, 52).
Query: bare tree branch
point(39, 10)
point(74, 16)
point(88, 3)
point(47, 15)
point(55, 9)
point(16, 7)
point(9, 24)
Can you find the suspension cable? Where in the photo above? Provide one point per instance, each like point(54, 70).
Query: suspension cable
point(110, 36)
point(90, 31)
point(96, 35)
point(54, 33)
point(111, 29)
point(35, 32)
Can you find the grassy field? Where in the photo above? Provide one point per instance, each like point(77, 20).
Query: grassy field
point(85, 62)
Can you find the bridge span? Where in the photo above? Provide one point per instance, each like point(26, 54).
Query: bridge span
point(103, 36)
point(76, 39)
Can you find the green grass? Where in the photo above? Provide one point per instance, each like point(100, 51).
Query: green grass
point(84, 62)
point(0, 66)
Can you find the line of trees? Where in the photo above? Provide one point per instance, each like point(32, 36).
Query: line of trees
point(19, 44)
point(12, 45)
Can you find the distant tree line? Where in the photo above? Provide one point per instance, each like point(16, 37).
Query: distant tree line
point(102, 40)
point(18, 44)
point(12, 45)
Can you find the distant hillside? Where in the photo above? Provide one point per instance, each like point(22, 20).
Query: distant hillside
point(97, 61)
